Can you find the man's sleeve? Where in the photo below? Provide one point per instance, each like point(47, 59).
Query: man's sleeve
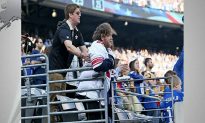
point(65, 34)
point(104, 65)
point(81, 43)
point(98, 60)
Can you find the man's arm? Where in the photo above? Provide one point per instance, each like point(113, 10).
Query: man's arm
point(102, 65)
point(83, 49)
point(84, 52)
point(65, 37)
point(72, 49)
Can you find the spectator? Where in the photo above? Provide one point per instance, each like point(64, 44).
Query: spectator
point(152, 90)
point(169, 73)
point(135, 74)
point(129, 102)
point(26, 49)
point(38, 60)
point(26, 44)
point(66, 40)
point(102, 60)
point(167, 103)
point(149, 65)
point(123, 85)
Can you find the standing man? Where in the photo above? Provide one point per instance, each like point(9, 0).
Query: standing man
point(66, 40)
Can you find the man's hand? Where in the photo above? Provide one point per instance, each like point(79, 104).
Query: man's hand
point(84, 53)
point(85, 56)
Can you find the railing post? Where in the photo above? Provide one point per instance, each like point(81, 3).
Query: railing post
point(106, 98)
point(172, 91)
point(48, 90)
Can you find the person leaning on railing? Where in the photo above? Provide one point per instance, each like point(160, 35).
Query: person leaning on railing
point(66, 40)
point(102, 60)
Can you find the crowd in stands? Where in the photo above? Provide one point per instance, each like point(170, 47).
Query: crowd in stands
point(132, 75)
point(167, 5)
point(162, 61)
point(151, 87)
point(159, 65)
point(33, 46)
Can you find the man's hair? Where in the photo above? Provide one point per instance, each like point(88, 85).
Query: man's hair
point(103, 30)
point(69, 9)
point(146, 61)
point(169, 73)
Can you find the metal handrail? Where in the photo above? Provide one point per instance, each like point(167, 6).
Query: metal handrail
point(48, 92)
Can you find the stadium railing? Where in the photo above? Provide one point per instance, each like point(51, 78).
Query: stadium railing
point(32, 96)
point(123, 115)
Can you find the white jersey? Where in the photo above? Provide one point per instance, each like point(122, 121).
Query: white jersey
point(97, 53)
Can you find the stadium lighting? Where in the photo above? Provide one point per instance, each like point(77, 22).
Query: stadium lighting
point(54, 13)
point(126, 23)
point(177, 48)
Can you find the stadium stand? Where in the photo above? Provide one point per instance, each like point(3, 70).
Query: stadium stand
point(133, 97)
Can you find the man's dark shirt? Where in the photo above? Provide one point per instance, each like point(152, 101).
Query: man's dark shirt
point(60, 57)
